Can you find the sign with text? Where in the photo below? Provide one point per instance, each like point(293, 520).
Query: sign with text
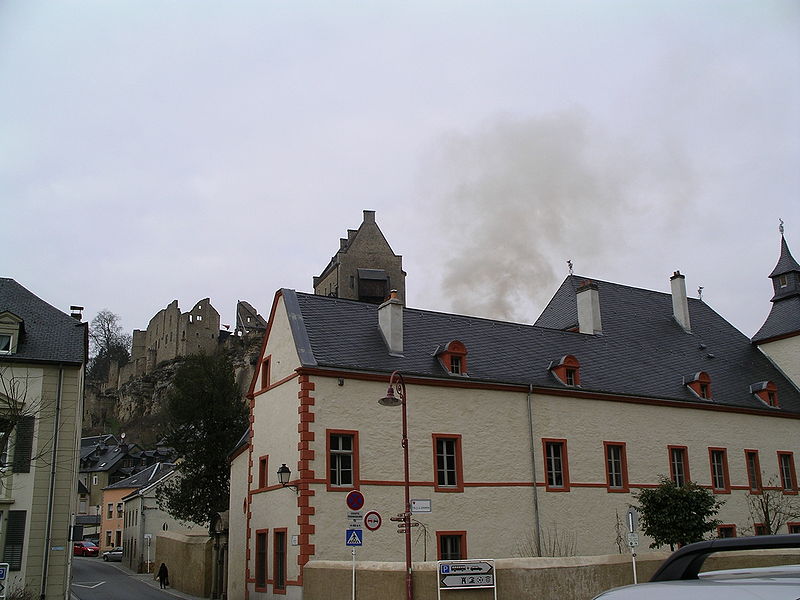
point(467, 574)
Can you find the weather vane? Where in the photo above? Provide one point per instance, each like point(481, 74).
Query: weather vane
point(569, 264)
point(700, 293)
point(780, 227)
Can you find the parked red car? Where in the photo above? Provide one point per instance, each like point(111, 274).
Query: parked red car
point(85, 549)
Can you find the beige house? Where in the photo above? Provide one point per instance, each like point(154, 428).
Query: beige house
point(523, 440)
point(42, 364)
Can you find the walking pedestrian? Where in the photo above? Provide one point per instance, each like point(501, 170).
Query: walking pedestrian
point(163, 576)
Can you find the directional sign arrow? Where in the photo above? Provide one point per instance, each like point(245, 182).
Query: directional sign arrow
point(467, 580)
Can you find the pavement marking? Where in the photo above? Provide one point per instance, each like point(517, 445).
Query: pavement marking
point(86, 585)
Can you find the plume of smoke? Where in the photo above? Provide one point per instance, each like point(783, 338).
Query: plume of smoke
point(520, 197)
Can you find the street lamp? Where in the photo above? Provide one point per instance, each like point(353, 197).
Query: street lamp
point(284, 474)
point(396, 396)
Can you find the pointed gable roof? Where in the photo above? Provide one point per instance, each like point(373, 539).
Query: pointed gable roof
point(784, 316)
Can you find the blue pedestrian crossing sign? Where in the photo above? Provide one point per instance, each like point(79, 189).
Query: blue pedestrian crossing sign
point(354, 537)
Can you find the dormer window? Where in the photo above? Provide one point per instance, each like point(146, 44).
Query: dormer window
point(453, 358)
point(567, 370)
point(767, 392)
point(10, 330)
point(783, 281)
point(700, 384)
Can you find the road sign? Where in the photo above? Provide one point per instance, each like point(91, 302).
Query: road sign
point(354, 537)
point(355, 519)
point(633, 540)
point(419, 505)
point(467, 581)
point(3, 571)
point(372, 521)
point(355, 500)
point(465, 574)
point(632, 519)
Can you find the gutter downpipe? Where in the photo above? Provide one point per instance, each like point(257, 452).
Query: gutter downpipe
point(536, 522)
point(51, 493)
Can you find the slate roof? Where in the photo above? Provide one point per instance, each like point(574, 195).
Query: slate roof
point(786, 262)
point(784, 316)
point(642, 352)
point(48, 335)
point(144, 477)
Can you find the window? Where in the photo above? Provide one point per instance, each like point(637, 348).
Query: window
point(118, 538)
point(759, 529)
point(447, 462)
point(700, 384)
point(451, 545)
point(753, 471)
point(261, 559)
point(720, 480)
point(15, 539)
point(23, 445)
point(119, 511)
point(108, 538)
point(726, 531)
point(767, 392)
point(793, 527)
point(265, 373)
point(342, 459)
point(263, 466)
point(94, 479)
point(5, 343)
point(616, 467)
point(279, 581)
point(567, 370)
point(555, 465)
point(453, 357)
point(110, 512)
point(678, 465)
point(788, 474)
point(783, 281)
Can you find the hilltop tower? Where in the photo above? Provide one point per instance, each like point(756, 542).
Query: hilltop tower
point(365, 268)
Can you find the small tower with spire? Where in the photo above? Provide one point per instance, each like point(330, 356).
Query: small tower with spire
point(779, 336)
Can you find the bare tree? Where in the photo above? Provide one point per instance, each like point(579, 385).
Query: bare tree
point(18, 413)
point(771, 509)
point(107, 344)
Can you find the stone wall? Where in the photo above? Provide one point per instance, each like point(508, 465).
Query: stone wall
point(188, 558)
point(572, 578)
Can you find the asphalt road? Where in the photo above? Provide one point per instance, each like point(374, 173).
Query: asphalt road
point(94, 579)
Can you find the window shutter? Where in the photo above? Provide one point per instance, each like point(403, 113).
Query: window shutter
point(15, 538)
point(23, 446)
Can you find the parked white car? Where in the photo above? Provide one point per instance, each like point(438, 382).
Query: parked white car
point(679, 576)
point(115, 554)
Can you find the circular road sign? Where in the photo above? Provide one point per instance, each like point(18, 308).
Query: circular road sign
point(355, 500)
point(372, 520)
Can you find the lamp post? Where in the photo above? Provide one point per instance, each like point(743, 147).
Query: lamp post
point(397, 385)
point(284, 475)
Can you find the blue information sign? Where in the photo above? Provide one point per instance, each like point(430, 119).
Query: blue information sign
point(354, 537)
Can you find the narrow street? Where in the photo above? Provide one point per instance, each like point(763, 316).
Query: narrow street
point(94, 579)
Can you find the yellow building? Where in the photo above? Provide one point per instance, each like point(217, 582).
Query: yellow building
point(42, 363)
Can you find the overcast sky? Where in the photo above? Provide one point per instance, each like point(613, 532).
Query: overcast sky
point(160, 150)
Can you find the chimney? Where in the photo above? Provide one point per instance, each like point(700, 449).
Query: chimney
point(680, 305)
point(589, 308)
point(369, 216)
point(390, 322)
point(76, 312)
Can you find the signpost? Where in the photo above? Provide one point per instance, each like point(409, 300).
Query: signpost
point(354, 535)
point(633, 537)
point(465, 575)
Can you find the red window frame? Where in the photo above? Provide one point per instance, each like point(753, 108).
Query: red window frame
point(458, 467)
point(753, 476)
point(789, 457)
point(684, 450)
point(564, 465)
point(356, 483)
point(462, 543)
point(726, 480)
point(759, 529)
point(793, 526)
point(727, 527)
point(624, 466)
point(264, 372)
point(280, 547)
point(261, 550)
point(263, 471)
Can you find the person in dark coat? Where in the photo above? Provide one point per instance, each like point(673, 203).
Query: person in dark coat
point(163, 576)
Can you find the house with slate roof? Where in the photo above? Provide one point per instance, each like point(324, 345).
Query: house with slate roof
point(43, 355)
point(520, 437)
